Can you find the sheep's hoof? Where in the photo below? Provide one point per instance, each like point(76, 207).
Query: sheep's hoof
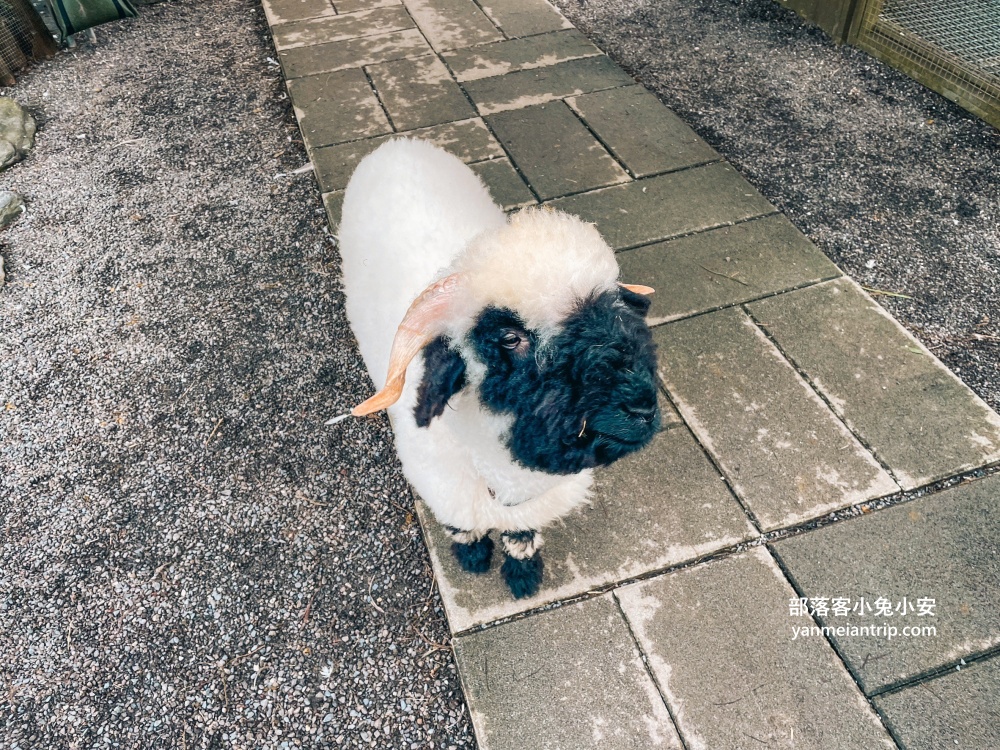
point(523, 577)
point(474, 557)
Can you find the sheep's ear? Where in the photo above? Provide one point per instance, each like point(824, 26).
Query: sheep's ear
point(424, 320)
point(444, 376)
point(636, 297)
point(638, 289)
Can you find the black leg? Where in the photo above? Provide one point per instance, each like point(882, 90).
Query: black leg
point(522, 569)
point(473, 554)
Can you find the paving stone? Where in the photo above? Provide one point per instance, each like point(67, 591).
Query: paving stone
point(639, 130)
point(505, 184)
point(959, 709)
point(419, 92)
point(351, 6)
point(718, 641)
point(336, 107)
point(724, 266)
point(469, 140)
point(283, 11)
point(660, 507)
point(567, 679)
point(524, 17)
point(449, 24)
point(920, 419)
point(944, 546)
point(784, 452)
point(554, 150)
point(497, 59)
point(351, 53)
point(335, 28)
point(333, 202)
point(523, 88)
point(658, 208)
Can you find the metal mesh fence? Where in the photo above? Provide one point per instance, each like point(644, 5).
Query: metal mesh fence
point(23, 37)
point(951, 46)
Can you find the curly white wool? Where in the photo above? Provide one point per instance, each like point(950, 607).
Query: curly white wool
point(413, 213)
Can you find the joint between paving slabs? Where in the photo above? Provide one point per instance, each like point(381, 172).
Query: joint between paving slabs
point(507, 154)
point(929, 675)
point(857, 683)
point(492, 20)
point(679, 235)
point(711, 459)
point(596, 137)
point(644, 658)
point(378, 97)
point(730, 305)
point(607, 146)
point(840, 418)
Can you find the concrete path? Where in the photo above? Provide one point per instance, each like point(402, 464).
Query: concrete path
point(807, 556)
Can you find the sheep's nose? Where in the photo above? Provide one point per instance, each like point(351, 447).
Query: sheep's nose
point(642, 412)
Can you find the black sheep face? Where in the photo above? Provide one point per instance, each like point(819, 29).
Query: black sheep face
point(583, 398)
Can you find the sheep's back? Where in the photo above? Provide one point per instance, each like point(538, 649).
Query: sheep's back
point(409, 209)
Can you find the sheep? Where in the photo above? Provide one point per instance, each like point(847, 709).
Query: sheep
point(520, 363)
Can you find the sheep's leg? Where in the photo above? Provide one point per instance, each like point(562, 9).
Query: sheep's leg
point(522, 570)
point(472, 551)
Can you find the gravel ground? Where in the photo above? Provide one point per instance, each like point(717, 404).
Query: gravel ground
point(188, 557)
point(898, 186)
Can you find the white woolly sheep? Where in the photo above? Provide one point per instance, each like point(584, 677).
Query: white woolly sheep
point(536, 366)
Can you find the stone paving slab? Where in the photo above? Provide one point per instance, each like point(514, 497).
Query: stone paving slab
point(537, 86)
point(554, 150)
point(347, 26)
point(449, 24)
point(646, 136)
point(918, 417)
point(419, 92)
point(665, 506)
point(718, 641)
point(784, 452)
point(352, 6)
point(658, 208)
point(568, 679)
point(469, 140)
point(333, 203)
point(725, 266)
point(283, 11)
point(944, 547)
point(504, 183)
point(351, 53)
point(336, 107)
point(519, 18)
point(960, 709)
point(490, 60)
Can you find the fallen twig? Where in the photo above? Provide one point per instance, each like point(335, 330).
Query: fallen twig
point(214, 430)
point(731, 278)
point(870, 290)
point(371, 599)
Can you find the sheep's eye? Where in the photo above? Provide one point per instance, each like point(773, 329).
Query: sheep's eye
point(510, 340)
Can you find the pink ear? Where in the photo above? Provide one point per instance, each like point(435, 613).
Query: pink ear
point(637, 288)
point(424, 320)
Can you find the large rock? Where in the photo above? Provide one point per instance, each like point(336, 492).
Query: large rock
point(11, 206)
point(17, 132)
